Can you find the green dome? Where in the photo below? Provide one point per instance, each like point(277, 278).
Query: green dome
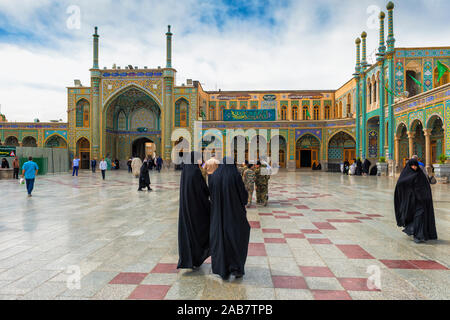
point(358, 41)
point(364, 35)
point(390, 5)
point(382, 15)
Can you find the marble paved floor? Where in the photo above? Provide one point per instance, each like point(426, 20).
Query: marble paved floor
point(323, 236)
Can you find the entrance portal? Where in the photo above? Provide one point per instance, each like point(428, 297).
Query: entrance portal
point(143, 147)
point(307, 151)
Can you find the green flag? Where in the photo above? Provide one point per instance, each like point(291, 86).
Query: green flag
point(416, 81)
point(390, 92)
point(203, 114)
point(442, 69)
point(308, 116)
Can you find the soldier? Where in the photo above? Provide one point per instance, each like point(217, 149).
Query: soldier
point(243, 167)
point(262, 184)
point(249, 177)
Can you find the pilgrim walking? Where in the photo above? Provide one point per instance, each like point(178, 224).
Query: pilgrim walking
point(414, 204)
point(194, 216)
point(144, 177)
point(230, 230)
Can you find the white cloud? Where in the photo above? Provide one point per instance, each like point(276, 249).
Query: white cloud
point(310, 45)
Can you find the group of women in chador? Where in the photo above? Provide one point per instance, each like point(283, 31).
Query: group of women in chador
point(213, 219)
point(413, 203)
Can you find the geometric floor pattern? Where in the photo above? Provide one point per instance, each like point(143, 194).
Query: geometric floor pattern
point(322, 236)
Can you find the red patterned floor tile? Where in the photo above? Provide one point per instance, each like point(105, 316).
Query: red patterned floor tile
point(128, 278)
point(294, 236)
point(324, 226)
point(279, 212)
point(398, 264)
point(282, 217)
point(287, 282)
point(165, 268)
point(316, 272)
point(271, 231)
point(319, 241)
point(327, 210)
point(265, 214)
point(330, 295)
point(274, 240)
point(354, 212)
point(149, 292)
point(375, 215)
point(311, 231)
point(257, 250)
point(354, 251)
point(428, 265)
point(255, 224)
point(355, 284)
point(296, 215)
point(302, 207)
point(343, 221)
point(364, 218)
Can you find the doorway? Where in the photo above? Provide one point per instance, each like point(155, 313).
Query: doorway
point(143, 147)
point(349, 155)
point(84, 151)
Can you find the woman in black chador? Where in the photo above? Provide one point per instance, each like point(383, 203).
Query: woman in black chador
point(358, 167)
point(366, 167)
point(414, 204)
point(144, 177)
point(194, 216)
point(230, 230)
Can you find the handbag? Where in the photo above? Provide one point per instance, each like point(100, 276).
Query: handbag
point(432, 180)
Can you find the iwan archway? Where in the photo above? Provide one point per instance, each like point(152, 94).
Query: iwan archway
point(131, 114)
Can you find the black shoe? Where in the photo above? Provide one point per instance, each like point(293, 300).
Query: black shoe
point(140, 190)
point(416, 240)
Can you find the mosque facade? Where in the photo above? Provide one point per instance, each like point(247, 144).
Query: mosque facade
point(393, 108)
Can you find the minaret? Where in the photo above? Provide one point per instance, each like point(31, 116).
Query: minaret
point(364, 51)
point(169, 48)
point(95, 109)
point(390, 40)
point(96, 36)
point(358, 55)
point(382, 47)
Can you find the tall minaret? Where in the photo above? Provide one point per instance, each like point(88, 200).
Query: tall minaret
point(382, 47)
point(169, 48)
point(95, 109)
point(358, 55)
point(390, 40)
point(364, 51)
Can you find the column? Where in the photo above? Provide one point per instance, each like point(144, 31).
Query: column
point(391, 83)
point(95, 110)
point(390, 40)
point(364, 116)
point(397, 151)
point(427, 134)
point(358, 102)
point(411, 136)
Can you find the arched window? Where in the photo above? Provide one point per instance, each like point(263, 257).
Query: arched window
point(349, 105)
point(336, 111)
point(283, 113)
point(340, 110)
point(327, 112)
point(82, 114)
point(221, 112)
point(305, 113)
point(295, 113)
point(444, 80)
point(369, 93)
point(375, 92)
point(181, 113)
point(316, 112)
point(212, 113)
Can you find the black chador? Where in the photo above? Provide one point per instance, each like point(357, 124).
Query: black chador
point(414, 204)
point(194, 216)
point(144, 177)
point(230, 230)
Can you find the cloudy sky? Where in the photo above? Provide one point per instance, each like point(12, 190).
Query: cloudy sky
point(225, 44)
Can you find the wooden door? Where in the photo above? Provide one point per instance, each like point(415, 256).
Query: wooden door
point(349, 155)
point(314, 157)
point(282, 159)
point(298, 158)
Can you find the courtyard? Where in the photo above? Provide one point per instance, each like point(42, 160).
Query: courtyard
point(323, 236)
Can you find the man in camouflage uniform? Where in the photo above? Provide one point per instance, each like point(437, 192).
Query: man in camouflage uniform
point(249, 177)
point(262, 184)
point(242, 168)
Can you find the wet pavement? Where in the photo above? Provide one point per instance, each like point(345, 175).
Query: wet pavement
point(323, 236)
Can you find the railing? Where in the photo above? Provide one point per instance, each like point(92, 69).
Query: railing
point(424, 99)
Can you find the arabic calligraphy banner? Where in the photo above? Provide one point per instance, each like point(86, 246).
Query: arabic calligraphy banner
point(250, 115)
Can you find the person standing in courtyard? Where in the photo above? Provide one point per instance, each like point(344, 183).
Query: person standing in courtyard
point(230, 230)
point(248, 177)
point(29, 171)
point(366, 167)
point(144, 177)
point(75, 166)
point(129, 165)
point(103, 167)
point(194, 216)
point(358, 171)
point(211, 165)
point(93, 165)
point(5, 164)
point(262, 184)
point(414, 204)
point(16, 166)
point(159, 163)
